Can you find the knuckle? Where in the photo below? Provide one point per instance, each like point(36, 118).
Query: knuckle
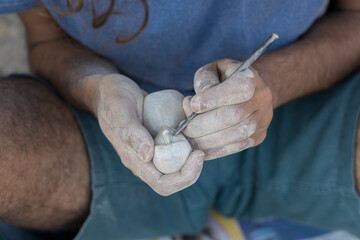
point(249, 143)
point(246, 89)
point(219, 101)
point(243, 131)
point(247, 130)
point(160, 192)
point(206, 82)
point(254, 71)
point(267, 95)
point(248, 74)
point(203, 79)
point(133, 171)
point(190, 176)
point(238, 112)
point(231, 66)
point(192, 181)
point(163, 192)
point(194, 143)
point(157, 187)
point(261, 138)
point(191, 131)
point(271, 115)
point(193, 176)
point(187, 176)
point(219, 152)
point(227, 62)
point(129, 166)
point(188, 132)
point(198, 73)
point(249, 87)
point(126, 134)
point(266, 119)
point(245, 95)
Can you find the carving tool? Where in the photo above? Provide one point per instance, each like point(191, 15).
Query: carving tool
point(245, 65)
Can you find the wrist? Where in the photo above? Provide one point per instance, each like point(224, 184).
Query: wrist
point(265, 72)
point(90, 88)
point(97, 86)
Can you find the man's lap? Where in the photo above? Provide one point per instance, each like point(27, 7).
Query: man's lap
point(303, 171)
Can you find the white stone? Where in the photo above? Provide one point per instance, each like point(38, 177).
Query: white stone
point(163, 113)
point(163, 109)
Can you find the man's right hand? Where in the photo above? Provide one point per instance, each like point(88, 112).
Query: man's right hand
point(118, 106)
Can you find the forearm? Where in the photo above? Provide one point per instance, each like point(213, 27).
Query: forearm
point(326, 54)
point(68, 65)
point(71, 68)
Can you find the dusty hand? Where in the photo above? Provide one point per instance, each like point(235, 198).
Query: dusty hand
point(235, 113)
point(119, 108)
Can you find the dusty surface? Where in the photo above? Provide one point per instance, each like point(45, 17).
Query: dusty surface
point(163, 109)
point(13, 56)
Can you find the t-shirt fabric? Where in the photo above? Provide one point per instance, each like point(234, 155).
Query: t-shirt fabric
point(181, 35)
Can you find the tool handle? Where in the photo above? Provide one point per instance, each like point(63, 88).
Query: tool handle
point(247, 63)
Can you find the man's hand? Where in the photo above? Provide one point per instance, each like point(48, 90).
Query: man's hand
point(234, 114)
point(119, 108)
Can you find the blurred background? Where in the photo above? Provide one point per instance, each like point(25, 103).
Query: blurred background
point(13, 56)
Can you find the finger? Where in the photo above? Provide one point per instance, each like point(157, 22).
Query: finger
point(239, 88)
point(122, 125)
point(226, 67)
point(125, 122)
point(218, 119)
point(190, 172)
point(137, 137)
point(206, 77)
point(170, 183)
point(214, 73)
point(186, 106)
point(163, 184)
point(147, 172)
point(236, 133)
point(232, 148)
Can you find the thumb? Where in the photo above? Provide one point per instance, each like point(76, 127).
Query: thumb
point(206, 77)
point(130, 129)
point(137, 137)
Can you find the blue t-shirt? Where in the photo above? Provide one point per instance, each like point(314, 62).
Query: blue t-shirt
point(181, 35)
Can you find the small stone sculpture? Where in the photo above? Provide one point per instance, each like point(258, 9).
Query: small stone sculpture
point(162, 114)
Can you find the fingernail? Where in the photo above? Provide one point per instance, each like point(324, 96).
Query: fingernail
point(195, 104)
point(144, 150)
point(200, 158)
